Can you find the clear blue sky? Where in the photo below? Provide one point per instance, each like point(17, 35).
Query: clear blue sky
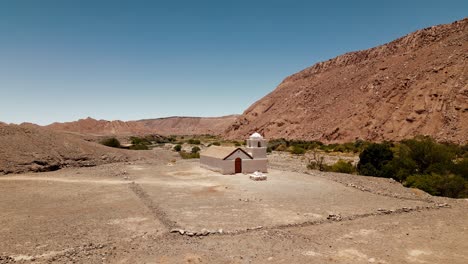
point(63, 60)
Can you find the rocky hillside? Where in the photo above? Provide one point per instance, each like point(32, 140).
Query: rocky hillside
point(414, 85)
point(31, 148)
point(100, 127)
point(163, 126)
point(189, 125)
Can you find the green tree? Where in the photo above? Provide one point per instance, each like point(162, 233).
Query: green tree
point(373, 159)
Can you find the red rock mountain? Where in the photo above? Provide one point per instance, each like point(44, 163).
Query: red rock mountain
point(163, 126)
point(414, 85)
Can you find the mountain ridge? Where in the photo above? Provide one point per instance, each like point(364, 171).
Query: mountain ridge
point(413, 85)
point(174, 125)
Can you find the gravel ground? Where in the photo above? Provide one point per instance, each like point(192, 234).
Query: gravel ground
point(164, 212)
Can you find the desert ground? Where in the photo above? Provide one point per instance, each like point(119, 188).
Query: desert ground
point(168, 210)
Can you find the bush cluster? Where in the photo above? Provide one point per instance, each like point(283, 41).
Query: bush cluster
point(437, 168)
point(139, 143)
point(189, 155)
point(111, 142)
point(296, 146)
point(341, 166)
point(193, 141)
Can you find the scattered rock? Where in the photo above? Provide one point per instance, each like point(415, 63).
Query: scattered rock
point(204, 232)
point(334, 217)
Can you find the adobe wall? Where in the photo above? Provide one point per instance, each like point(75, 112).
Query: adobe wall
point(250, 166)
point(218, 165)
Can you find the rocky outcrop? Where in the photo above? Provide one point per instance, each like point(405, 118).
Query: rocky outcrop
point(30, 148)
point(414, 85)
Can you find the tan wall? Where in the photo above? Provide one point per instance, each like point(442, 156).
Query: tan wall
point(219, 165)
point(228, 166)
point(249, 166)
point(257, 153)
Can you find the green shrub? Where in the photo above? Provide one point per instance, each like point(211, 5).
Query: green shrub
point(188, 155)
point(237, 144)
point(297, 150)
point(178, 148)
point(195, 149)
point(342, 166)
point(216, 144)
point(441, 185)
point(193, 141)
point(111, 142)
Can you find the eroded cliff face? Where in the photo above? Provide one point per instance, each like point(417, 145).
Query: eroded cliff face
point(414, 85)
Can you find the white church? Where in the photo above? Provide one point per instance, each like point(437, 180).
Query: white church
point(231, 160)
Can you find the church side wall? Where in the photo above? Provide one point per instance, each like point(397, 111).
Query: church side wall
point(250, 166)
point(218, 165)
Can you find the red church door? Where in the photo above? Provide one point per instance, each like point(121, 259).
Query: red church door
point(238, 165)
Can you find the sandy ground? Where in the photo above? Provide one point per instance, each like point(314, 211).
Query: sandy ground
point(124, 213)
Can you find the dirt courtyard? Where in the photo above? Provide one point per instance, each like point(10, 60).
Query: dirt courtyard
point(125, 212)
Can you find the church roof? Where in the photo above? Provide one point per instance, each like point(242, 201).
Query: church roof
point(256, 136)
point(221, 152)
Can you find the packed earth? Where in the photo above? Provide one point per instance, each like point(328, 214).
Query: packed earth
point(168, 210)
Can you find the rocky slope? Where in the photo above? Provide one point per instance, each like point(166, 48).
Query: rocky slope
point(30, 148)
point(189, 125)
point(163, 126)
point(414, 85)
point(100, 127)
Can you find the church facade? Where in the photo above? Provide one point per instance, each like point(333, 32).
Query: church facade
point(232, 160)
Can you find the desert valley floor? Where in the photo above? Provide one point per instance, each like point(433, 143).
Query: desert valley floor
point(161, 211)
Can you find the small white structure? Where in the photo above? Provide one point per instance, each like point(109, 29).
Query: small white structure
point(258, 176)
point(231, 160)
